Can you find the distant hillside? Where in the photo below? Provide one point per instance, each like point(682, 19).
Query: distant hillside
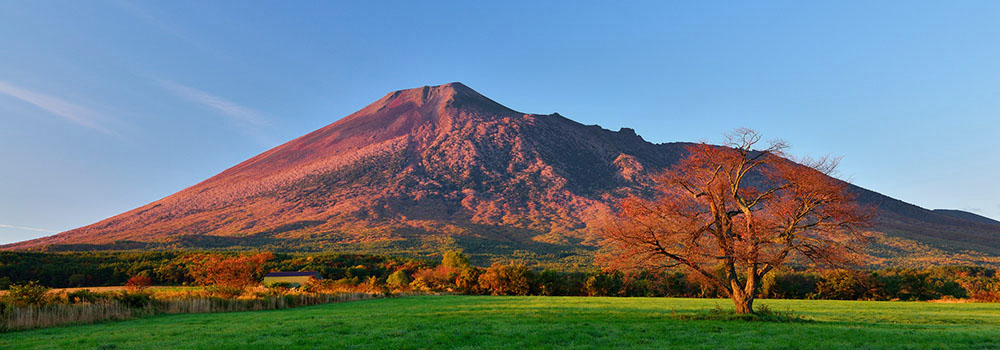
point(964, 215)
point(443, 166)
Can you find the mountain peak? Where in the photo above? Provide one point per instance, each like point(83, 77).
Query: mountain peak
point(426, 93)
point(438, 98)
point(457, 86)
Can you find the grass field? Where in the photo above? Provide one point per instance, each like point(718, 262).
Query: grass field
point(477, 322)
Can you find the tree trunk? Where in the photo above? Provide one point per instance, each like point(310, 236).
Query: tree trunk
point(744, 302)
point(742, 294)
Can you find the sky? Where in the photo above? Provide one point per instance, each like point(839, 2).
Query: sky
point(107, 106)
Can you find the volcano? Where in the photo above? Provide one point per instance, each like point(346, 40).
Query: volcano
point(443, 166)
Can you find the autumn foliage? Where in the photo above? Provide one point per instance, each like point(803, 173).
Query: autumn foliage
point(138, 283)
point(506, 279)
point(233, 273)
point(733, 214)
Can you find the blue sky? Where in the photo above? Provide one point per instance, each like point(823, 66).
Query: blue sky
point(106, 106)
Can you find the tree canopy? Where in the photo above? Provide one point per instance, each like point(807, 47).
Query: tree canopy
point(734, 213)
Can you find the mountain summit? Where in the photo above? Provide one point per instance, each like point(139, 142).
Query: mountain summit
point(436, 166)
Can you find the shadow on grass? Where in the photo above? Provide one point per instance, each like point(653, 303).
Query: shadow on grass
point(762, 314)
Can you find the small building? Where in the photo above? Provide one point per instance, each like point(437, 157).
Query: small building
point(294, 279)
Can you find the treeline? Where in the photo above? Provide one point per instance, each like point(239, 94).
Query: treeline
point(96, 269)
point(226, 283)
point(454, 274)
point(958, 282)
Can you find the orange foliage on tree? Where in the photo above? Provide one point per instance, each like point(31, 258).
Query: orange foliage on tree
point(510, 279)
point(232, 272)
point(138, 283)
point(732, 214)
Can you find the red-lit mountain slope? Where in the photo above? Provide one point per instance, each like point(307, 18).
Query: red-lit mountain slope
point(433, 167)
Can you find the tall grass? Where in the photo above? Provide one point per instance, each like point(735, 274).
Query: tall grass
point(23, 317)
point(29, 317)
point(209, 305)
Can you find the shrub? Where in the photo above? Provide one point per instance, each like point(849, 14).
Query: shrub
point(138, 283)
point(283, 286)
point(638, 286)
point(343, 285)
point(789, 285)
point(551, 282)
point(511, 279)
point(455, 260)
point(950, 289)
point(762, 314)
point(30, 293)
point(84, 296)
point(420, 284)
point(136, 300)
point(172, 272)
point(906, 284)
point(603, 285)
point(984, 290)
point(228, 272)
point(398, 280)
point(844, 285)
point(677, 284)
point(225, 291)
point(468, 280)
point(439, 278)
point(374, 285)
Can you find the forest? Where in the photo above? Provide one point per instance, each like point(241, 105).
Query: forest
point(453, 274)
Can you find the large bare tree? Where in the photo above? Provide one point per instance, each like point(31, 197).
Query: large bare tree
point(734, 213)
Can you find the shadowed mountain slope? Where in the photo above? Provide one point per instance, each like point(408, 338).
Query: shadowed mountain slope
point(964, 215)
point(433, 167)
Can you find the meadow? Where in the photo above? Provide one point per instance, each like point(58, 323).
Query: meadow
point(490, 322)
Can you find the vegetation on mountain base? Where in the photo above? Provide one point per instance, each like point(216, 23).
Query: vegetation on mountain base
point(229, 277)
point(454, 274)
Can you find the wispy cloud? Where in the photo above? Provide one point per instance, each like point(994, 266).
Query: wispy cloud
point(162, 23)
point(69, 111)
point(234, 111)
point(28, 228)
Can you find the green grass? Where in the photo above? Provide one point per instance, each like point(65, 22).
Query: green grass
point(478, 322)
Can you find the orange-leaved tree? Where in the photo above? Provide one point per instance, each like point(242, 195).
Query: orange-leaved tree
point(233, 273)
point(734, 213)
point(138, 283)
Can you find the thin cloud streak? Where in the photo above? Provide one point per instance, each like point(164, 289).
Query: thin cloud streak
point(155, 21)
point(28, 228)
point(236, 112)
point(69, 111)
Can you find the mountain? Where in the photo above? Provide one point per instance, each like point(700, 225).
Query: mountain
point(964, 215)
point(443, 166)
